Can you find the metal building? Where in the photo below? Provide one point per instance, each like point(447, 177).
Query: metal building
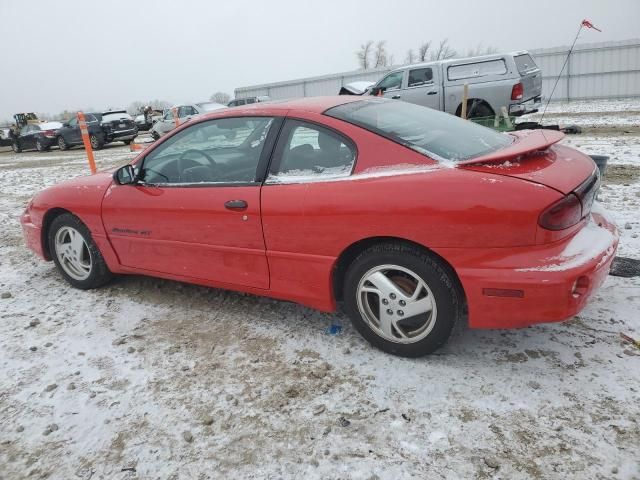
point(595, 70)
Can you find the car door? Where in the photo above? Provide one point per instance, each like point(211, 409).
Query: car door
point(422, 88)
point(72, 135)
point(27, 137)
point(390, 85)
point(195, 214)
point(166, 123)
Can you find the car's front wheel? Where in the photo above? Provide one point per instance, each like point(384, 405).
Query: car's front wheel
point(75, 253)
point(402, 299)
point(16, 147)
point(155, 135)
point(127, 142)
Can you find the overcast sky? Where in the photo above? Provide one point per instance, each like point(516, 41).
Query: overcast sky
point(72, 54)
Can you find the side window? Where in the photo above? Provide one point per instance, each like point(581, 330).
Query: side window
point(393, 81)
point(89, 118)
point(420, 76)
point(73, 122)
point(308, 152)
point(225, 150)
point(479, 69)
point(185, 111)
point(168, 114)
point(24, 130)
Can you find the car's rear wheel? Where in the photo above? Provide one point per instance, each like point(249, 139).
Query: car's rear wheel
point(75, 253)
point(62, 144)
point(96, 142)
point(402, 299)
point(40, 146)
point(16, 147)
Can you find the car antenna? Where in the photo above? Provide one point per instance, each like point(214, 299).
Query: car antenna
point(583, 24)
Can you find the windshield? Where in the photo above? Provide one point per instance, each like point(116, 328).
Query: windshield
point(427, 131)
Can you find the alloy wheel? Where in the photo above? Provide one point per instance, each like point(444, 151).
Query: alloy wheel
point(73, 253)
point(396, 303)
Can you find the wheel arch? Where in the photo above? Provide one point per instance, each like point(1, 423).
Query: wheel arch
point(48, 218)
point(470, 101)
point(349, 254)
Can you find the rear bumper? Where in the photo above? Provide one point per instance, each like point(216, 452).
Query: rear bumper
point(121, 135)
point(529, 106)
point(518, 287)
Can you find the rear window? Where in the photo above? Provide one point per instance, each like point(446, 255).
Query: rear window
point(525, 63)
point(477, 69)
point(432, 133)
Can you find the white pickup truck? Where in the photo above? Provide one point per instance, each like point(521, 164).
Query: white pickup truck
point(510, 80)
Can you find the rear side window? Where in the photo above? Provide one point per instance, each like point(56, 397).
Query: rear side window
point(420, 76)
point(525, 63)
point(435, 134)
point(308, 152)
point(478, 69)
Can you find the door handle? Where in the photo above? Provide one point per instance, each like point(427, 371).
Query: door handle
point(432, 92)
point(396, 97)
point(235, 205)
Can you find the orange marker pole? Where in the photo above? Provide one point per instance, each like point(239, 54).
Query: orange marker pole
point(87, 143)
point(174, 111)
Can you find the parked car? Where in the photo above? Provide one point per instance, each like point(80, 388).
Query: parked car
point(6, 136)
point(69, 134)
point(411, 218)
point(511, 80)
point(103, 128)
point(117, 126)
point(38, 136)
point(185, 112)
point(238, 102)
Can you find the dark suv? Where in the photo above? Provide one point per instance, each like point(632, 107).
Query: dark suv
point(103, 128)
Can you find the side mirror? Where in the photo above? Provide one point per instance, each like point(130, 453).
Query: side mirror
point(125, 175)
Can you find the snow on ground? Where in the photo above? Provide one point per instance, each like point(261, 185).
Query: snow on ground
point(152, 379)
point(591, 113)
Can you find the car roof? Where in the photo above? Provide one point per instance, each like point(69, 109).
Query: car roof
point(305, 104)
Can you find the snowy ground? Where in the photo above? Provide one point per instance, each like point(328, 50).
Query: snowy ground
point(152, 379)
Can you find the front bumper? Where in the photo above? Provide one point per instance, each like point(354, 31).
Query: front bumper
point(518, 287)
point(32, 235)
point(530, 106)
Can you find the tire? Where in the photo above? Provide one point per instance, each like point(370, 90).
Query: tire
point(127, 142)
point(40, 147)
point(80, 262)
point(476, 109)
point(155, 135)
point(16, 147)
point(62, 144)
point(438, 300)
point(96, 142)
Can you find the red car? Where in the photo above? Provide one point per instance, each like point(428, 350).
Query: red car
point(412, 218)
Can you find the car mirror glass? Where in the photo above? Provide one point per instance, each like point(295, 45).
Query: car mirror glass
point(125, 175)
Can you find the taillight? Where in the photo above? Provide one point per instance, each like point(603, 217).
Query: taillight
point(50, 133)
point(564, 213)
point(517, 92)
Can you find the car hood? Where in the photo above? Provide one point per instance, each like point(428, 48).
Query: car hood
point(535, 157)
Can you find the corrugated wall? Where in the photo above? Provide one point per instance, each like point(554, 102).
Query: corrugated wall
point(596, 70)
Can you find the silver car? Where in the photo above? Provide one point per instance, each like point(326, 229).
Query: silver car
point(185, 113)
point(510, 80)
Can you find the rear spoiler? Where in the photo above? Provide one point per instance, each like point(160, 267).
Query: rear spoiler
point(525, 142)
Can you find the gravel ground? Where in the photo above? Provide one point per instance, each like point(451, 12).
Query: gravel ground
point(153, 379)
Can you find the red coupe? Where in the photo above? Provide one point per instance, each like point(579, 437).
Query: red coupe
point(413, 219)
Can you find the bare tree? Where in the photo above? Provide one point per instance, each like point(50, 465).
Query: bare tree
point(423, 51)
point(481, 50)
point(390, 60)
point(444, 51)
point(364, 53)
point(220, 97)
point(380, 55)
point(411, 56)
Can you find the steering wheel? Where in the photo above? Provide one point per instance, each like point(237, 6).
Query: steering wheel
point(182, 159)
